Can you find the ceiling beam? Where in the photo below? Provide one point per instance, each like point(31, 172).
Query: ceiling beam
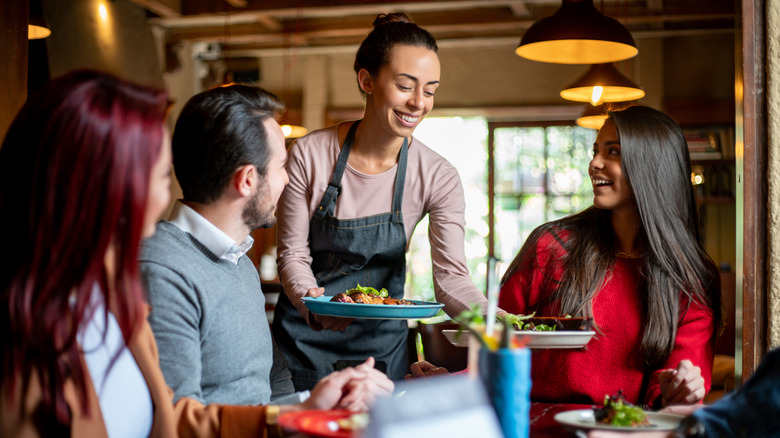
point(237, 3)
point(168, 9)
point(510, 42)
point(206, 18)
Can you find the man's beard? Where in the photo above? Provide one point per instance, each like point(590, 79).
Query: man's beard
point(258, 213)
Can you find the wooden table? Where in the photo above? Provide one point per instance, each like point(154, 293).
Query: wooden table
point(543, 424)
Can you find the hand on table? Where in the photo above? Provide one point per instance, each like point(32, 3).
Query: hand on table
point(319, 322)
point(425, 369)
point(683, 385)
point(351, 388)
point(361, 394)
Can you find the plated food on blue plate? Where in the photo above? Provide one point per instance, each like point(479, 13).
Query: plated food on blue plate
point(369, 295)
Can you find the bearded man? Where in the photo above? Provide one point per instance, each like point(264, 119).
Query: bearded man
point(207, 307)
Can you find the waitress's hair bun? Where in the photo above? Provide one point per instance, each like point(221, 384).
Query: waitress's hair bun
point(394, 17)
point(390, 30)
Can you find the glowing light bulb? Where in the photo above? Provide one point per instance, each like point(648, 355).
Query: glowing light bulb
point(595, 97)
point(103, 12)
point(286, 130)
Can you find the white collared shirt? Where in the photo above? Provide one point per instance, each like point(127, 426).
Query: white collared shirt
point(216, 240)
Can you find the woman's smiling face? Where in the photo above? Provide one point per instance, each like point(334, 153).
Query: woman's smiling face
point(610, 189)
point(402, 92)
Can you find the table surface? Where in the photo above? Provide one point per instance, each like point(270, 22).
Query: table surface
point(542, 416)
point(543, 424)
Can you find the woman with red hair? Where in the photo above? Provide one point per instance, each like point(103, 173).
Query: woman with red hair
point(84, 173)
point(84, 176)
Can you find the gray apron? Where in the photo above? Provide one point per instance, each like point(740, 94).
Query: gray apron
point(368, 250)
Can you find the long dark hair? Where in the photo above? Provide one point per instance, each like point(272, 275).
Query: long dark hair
point(674, 267)
point(390, 30)
point(74, 178)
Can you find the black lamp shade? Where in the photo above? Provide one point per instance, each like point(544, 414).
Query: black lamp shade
point(577, 34)
point(37, 27)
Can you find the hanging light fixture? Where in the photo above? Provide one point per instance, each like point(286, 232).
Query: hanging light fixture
point(593, 117)
point(577, 34)
point(294, 131)
point(37, 27)
point(289, 131)
point(602, 83)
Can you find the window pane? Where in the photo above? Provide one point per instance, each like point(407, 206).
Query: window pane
point(541, 175)
point(520, 160)
point(516, 217)
point(463, 142)
point(568, 159)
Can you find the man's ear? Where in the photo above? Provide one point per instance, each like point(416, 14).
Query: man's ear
point(365, 81)
point(244, 179)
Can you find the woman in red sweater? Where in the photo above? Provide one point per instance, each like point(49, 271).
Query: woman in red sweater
point(635, 264)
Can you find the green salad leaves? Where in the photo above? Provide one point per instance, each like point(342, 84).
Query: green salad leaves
point(618, 412)
point(368, 290)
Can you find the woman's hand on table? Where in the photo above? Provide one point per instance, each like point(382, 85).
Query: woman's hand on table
point(425, 369)
point(319, 322)
point(683, 385)
point(351, 388)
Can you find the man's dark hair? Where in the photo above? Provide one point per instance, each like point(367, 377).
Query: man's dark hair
point(218, 131)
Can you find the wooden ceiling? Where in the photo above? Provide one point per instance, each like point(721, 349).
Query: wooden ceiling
point(269, 27)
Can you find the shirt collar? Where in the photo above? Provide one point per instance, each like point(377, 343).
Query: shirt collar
point(216, 240)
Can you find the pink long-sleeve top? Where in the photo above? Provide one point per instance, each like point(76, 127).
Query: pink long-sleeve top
point(432, 186)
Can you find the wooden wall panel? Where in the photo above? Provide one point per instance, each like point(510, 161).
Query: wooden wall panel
point(13, 69)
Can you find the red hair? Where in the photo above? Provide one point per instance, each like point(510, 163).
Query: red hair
point(74, 180)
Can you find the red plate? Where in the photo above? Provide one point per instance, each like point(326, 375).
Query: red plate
point(317, 423)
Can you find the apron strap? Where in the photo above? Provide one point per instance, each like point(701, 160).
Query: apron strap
point(400, 178)
point(328, 202)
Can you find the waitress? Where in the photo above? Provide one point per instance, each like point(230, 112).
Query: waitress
point(365, 185)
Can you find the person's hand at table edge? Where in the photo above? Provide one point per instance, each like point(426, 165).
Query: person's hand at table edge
point(683, 385)
point(425, 369)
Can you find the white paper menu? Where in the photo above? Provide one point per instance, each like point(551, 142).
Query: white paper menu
point(451, 406)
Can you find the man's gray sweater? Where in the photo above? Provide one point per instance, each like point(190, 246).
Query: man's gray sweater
point(208, 317)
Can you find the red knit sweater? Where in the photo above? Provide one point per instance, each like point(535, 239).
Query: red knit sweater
point(612, 360)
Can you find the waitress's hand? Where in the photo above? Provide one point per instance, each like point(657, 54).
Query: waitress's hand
point(319, 322)
point(335, 323)
point(683, 385)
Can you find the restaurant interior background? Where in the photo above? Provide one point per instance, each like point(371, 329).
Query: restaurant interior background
point(493, 108)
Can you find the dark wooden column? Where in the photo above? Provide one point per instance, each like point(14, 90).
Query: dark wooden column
point(752, 169)
point(13, 69)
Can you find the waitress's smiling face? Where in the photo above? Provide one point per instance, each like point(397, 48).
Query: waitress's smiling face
point(402, 93)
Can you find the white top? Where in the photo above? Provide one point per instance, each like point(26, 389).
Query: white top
point(216, 240)
point(122, 392)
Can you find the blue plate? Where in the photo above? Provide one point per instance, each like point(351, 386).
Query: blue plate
point(323, 306)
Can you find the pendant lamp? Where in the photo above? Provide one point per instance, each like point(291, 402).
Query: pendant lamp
point(602, 83)
point(577, 34)
point(294, 131)
point(37, 27)
point(593, 117)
